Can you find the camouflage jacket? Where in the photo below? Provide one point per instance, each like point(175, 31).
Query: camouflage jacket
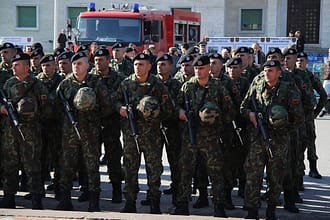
point(232, 89)
point(125, 67)
point(5, 73)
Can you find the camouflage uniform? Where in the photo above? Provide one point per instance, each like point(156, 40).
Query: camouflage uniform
point(149, 135)
point(125, 67)
point(250, 72)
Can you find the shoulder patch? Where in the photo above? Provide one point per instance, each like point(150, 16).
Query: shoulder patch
point(226, 98)
point(295, 101)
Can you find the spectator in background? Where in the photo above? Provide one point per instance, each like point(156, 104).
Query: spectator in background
point(291, 33)
point(70, 46)
point(225, 54)
point(300, 41)
point(173, 51)
point(184, 47)
point(259, 56)
point(61, 39)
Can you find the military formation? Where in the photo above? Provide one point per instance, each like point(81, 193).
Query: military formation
point(225, 122)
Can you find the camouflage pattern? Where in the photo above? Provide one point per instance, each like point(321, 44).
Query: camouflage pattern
point(284, 94)
point(207, 139)
point(250, 72)
point(35, 70)
point(89, 128)
point(125, 67)
point(149, 134)
point(15, 152)
point(5, 73)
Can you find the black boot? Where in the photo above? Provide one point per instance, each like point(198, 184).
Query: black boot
point(252, 214)
point(270, 212)
point(241, 188)
point(94, 199)
point(8, 201)
point(228, 201)
point(301, 184)
point(296, 196)
point(168, 191)
point(202, 200)
point(130, 207)
point(181, 209)
point(154, 206)
point(36, 201)
point(289, 204)
point(84, 196)
point(146, 201)
point(117, 196)
point(313, 172)
point(219, 211)
point(65, 203)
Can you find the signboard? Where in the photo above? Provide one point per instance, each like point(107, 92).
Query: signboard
point(20, 41)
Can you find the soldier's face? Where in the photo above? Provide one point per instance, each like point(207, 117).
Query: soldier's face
point(202, 72)
point(187, 68)
point(234, 71)
point(101, 63)
point(80, 66)
point(301, 63)
point(271, 75)
point(118, 53)
point(290, 61)
point(49, 68)
point(216, 66)
point(164, 67)
point(141, 67)
point(244, 57)
point(35, 61)
point(7, 54)
point(65, 66)
point(20, 67)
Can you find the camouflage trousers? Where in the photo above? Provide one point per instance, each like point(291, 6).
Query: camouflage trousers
point(17, 154)
point(209, 150)
point(256, 161)
point(150, 145)
point(309, 140)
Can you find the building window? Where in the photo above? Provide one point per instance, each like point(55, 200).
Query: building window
point(251, 19)
point(73, 13)
point(27, 17)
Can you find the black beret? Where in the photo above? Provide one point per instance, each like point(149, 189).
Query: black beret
point(201, 60)
point(65, 55)
point(201, 43)
point(216, 56)
point(142, 56)
point(77, 56)
point(118, 45)
point(36, 53)
point(192, 50)
point(58, 51)
point(234, 61)
point(186, 58)
point(82, 47)
point(47, 58)
point(129, 49)
point(164, 57)
point(37, 45)
point(290, 51)
point(101, 52)
point(18, 49)
point(7, 45)
point(302, 55)
point(272, 63)
point(273, 50)
point(242, 50)
point(18, 57)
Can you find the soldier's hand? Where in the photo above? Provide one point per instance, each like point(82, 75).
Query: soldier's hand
point(123, 112)
point(253, 119)
point(182, 115)
point(4, 110)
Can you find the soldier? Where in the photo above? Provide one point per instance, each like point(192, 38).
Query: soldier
point(187, 69)
point(29, 97)
point(202, 48)
point(57, 52)
point(35, 58)
point(85, 49)
point(7, 51)
point(51, 135)
point(89, 100)
point(246, 55)
point(301, 64)
point(149, 100)
point(110, 134)
point(210, 105)
point(64, 63)
point(120, 63)
point(280, 103)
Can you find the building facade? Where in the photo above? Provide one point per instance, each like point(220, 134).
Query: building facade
point(43, 20)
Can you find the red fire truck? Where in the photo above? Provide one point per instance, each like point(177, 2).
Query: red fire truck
point(137, 25)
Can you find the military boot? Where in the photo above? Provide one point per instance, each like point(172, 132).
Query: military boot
point(181, 208)
point(117, 196)
point(84, 196)
point(8, 201)
point(130, 207)
point(65, 202)
point(219, 211)
point(252, 214)
point(313, 172)
point(296, 196)
point(228, 201)
point(270, 212)
point(36, 201)
point(154, 206)
point(289, 204)
point(94, 199)
point(241, 189)
point(202, 200)
point(146, 201)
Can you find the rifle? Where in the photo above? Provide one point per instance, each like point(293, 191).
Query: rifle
point(12, 113)
point(69, 113)
point(238, 132)
point(191, 121)
point(131, 121)
point(262, 127)
point(163, 130)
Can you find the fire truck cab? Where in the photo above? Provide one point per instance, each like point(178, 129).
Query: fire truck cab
point(137, 25)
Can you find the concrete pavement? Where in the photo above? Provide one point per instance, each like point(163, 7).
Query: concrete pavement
point(316, 196)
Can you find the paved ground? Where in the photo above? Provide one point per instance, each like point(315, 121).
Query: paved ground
point(316, 196)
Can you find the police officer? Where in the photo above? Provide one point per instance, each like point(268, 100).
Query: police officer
point(210, 104)
point(89, 99)
point(29, 97)
point(280, 102)
point(120, 63)
point(150, 102)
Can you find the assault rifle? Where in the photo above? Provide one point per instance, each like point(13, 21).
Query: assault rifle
point(262, 127)
point(191, 121)
point(69, 113)
point(131, 121)
point(12, 113)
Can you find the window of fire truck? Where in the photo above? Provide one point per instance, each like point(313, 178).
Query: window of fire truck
point(153, 31)
point(109, 30)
